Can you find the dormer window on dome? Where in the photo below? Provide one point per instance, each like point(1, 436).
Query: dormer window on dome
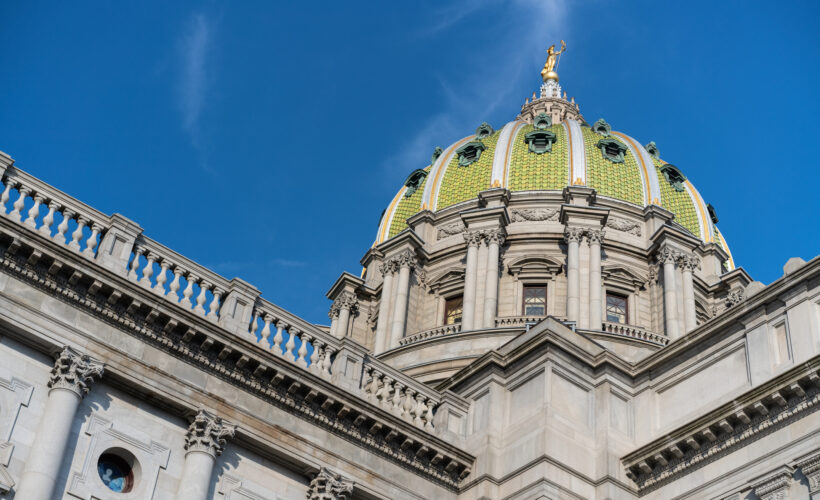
point(673, 176)
point(540, 141)
point(612, 149)
point(712, 213)
point(652, 149)
point(484, 130)
point(601, 127)
point(470, 153)
point(542, 121)
point(413, 182)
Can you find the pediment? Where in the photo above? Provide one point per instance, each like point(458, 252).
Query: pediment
point(624, 275)
point(446, 280)
point(533, 264)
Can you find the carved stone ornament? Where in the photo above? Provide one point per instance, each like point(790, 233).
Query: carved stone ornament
point(666, 255)
point(776, 488)
point(574, 234)
point(450, 230)
point(346, 300)
point(811, 469)
point(496, 236)
point(473, 238)
point(533, 214)
point(74, 371)
point(406, 259)
point(329, 486)
point(334, 311)
point(689, 262)
point(387, 267)
point(735, 297)
point(208, 433)
point(624, 225)
point(595, 236)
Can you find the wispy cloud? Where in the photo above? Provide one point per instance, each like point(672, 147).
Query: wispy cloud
point(470, 97)
point(193, 49)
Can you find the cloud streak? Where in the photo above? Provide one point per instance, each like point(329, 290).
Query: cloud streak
point(193, 50)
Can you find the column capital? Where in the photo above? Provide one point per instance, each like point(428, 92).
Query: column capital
point(346, 300)
point(595, 236)
point(387, 267)
point(406, 258)
point(572, 233)
point(207, 433)
point(473, 237)
point(74, 371)
point(667, 255)
point(688, 262)
point(498, 236)
point(334, 310)
point(327, 485)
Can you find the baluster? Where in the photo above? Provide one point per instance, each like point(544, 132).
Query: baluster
point(384, 394)
point(397, 392)
point(189, 291)
point(204, 286)
point(162, 277)
point(327, 353)
point(74, 244)
point(428, 416)
point(213, 309)
point(293, 332)
point(254, 324)
point(368, 377)
point(278, 338)
point(148, 270)
point(303, 350)
point(265, 331)
point(91, 242)
point(4, 198)
point(419, 410)
point(62, 229)
point(135, 263)
point(34, 211)
point(20, 203)
point(45, 228)
point(174, 286)
point(316, 356)
point(409, 404)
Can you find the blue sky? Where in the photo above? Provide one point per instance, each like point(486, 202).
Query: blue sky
point(264, 139)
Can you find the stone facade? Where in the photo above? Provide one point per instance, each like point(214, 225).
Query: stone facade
point(521, 345)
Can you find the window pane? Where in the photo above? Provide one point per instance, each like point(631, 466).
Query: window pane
point(616, 311)
point(452, 310)
point(535, 301)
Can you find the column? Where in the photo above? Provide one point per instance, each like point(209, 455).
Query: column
point(495, 239)
point(405, 262)
point(69, 382)
point(473, 239)
point(573, 235)
point(347, 304)
point(204, 441)
point(387, 268)
point(667, 257)
point(594, 238)
point(329, 486)
point(688, 265)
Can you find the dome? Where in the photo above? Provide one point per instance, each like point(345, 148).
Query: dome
point(547, 147)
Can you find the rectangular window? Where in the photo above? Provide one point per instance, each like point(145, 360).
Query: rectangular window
point(452, 310)
point(616, 309)
point(535, 300)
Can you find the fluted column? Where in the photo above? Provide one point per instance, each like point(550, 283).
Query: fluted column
point(473, 239)
point(387, 268)
point(327, 485)
point(204, 441)
point(573, 235)
point(347, 303)
point(688, 265)
point(405, 262)
point(594, 238)
point(69, 383)
point(495, 239)
point(667, 257)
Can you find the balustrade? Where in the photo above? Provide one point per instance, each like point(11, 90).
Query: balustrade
point(393, 391)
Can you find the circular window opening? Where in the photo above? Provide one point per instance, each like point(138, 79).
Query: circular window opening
point(116, 470)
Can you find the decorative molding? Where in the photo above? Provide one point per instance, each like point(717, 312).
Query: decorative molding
point(533, 214)
point(327, 485)
point(734, 297)
point(811, 469)
point(74, 371)
point(208, 433)
point(624, 225)
point(775, 487)
point(450, 230)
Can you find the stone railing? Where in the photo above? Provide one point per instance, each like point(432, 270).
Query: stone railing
point(399, 394)
point(634, 332)
point(293, 338)
point(433, 332)
point(513, 321)
point(53, 213)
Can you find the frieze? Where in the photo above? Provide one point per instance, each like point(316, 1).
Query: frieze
point(624, 225)
point(533, 214)
point(450, 230)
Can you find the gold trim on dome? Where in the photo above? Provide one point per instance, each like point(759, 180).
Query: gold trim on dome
point(444, 164)
point(646, 187)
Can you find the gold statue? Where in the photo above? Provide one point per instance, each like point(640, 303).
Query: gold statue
point(548, 73)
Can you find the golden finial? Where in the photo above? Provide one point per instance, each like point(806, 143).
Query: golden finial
point(553, 57)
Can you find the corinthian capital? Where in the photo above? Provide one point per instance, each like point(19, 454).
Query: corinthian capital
point(595, 236)
point(208, 433)
point(573, 234)
point(406, 259)
point(329, 486)
point(473, 238)
point(689, 262)
point(667, 255)
point(74, 371)
point(498, 236)
point(346, 300)
point(334, 311)
point(387, 267)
